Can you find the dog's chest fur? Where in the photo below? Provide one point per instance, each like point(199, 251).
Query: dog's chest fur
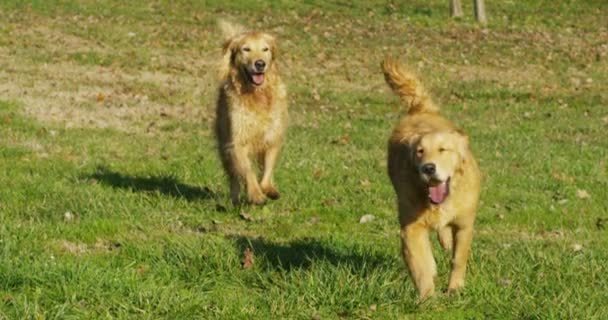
point(438, 216)
point(257, 117)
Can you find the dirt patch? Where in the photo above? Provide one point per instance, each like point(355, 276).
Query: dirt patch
point(78, 97)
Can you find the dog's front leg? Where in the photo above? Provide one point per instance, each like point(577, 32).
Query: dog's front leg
point(462, 245)
point(418, 255)
point(270, 159)
point(243, 167)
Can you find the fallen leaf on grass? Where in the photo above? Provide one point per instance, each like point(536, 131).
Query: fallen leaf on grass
point(245, 216)
point(365, 183)
point(314, 220)
point(330, 202)
point(577, 247)
point(141, 270)
point(248, 259)
point(562, 177)
point(100, 97)
point(505, 282)
point(342, 140)
point(319, 173)
point(582, 194)
point(8, 300)
point(367, 218)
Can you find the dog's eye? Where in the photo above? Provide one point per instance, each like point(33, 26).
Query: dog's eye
point(265, 49)
point(246, 49)
point(442, 149)
point(420, 151)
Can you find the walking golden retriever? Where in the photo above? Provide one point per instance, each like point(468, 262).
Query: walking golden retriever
point(251, 112)
point(436, 179)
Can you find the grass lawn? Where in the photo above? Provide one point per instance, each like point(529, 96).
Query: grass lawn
point(114, 204)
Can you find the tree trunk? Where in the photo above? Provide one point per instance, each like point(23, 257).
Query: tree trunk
point(480, 12)
point(455, 9)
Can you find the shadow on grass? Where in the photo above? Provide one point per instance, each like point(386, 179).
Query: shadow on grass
point(303, 253)
point(167, 185)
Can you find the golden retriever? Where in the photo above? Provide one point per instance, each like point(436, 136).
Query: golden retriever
point(436, 179)
point(251, 114)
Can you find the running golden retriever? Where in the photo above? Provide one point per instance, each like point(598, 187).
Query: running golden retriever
point(251, 112)
point(436, 179)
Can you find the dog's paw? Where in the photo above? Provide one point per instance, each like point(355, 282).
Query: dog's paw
point(454, 288)
point(272, 193)
point(257, 199)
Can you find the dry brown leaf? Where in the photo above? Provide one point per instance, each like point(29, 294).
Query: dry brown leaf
point(245, 216)
point(562, 177)
point(330, 202)
point(342, 140)
point(314, 220)
point(582, 194)
point(505, 282)
point(248, 259)
point(318, 173)
point(141, 270)
point(365, 183)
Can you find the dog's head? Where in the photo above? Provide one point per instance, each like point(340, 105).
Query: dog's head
point(252, 55)
point(438, 157)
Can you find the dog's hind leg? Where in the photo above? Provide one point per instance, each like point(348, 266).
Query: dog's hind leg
point(270, 159)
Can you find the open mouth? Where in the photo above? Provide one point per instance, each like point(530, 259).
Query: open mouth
point(438, 193)
point(257, 78)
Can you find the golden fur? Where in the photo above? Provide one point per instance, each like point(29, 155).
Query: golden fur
point(436, 179)
point(251, 112)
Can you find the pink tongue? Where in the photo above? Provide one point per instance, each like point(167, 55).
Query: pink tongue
point(438, 193)
point(257, 78)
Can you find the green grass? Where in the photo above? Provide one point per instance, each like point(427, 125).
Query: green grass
point(114, 204)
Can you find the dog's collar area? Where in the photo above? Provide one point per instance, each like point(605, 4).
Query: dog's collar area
point(439, 193)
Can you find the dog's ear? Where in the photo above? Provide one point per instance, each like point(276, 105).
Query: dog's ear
point(272, 42)
point(229, 49)
point(411, 143)
point(463, 144)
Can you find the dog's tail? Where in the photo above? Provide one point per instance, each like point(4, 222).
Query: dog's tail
point(229, 29)
point(407, 86)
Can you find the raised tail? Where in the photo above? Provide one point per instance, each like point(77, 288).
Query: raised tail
point(229, 29)
point(407, 86)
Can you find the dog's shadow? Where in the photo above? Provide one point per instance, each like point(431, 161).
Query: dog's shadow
point(303, 253)
point(166, 185)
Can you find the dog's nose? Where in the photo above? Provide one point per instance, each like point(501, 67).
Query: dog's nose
point(429, 168)
point(259, 65)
